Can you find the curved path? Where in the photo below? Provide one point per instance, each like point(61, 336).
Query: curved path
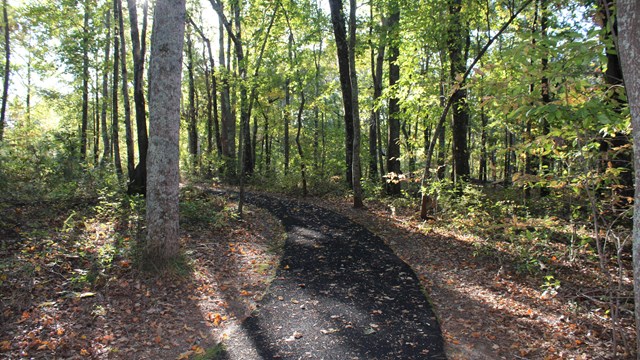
point(339, 293)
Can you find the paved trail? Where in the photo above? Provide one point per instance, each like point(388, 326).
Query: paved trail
point(339, 293)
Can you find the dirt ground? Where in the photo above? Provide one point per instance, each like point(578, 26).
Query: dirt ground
point(486, 309)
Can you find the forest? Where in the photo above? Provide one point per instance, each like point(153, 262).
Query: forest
point(229, 179)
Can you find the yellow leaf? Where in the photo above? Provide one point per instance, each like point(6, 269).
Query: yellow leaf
point(198, 350)
point(185, 355)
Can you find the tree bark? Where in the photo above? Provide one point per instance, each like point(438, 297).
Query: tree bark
point(393, 139)
point(228, 123)
point(138, 43)
point(613, 76)
point(7, 68)
point(316, 109)
point(303, 172)
point(629, 52)
point(356, 168)
point(106, 142)
point(458, 38)
point(96, 116)
point(377, 62)
point(85, 83)
point(286, 111)
point(442, 141)
point(165, 70)
point(115, 124)
point(340, 33)
point(125, 94)
point(192, 130)
point(545, 90)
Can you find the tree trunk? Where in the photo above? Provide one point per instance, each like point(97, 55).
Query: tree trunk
point(340, 33)
point(125, 93)
point(106, 142)
point(253, 94)
point(458, 38)
point(285, 117)
point(442, 141)
point(85, 83)
point(356, 168)
point(316, 109)
point(115, 125)
point(228, 123)
point(299, 146)
point(29, 86)
point(138, 43)
point(7, 68)
point(377, 63)
point(393, 139)
point(528, 161)
point(610, 145)
point(445, 111)
point(96, 117)
point(165, 70)
point(236, 38)
point(483, 146)
point(287, 104)
point(213, 124)
point(629, 50)
point(545, 87)
point(192, 130)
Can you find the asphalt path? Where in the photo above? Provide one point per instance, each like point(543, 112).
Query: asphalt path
point(339, 293)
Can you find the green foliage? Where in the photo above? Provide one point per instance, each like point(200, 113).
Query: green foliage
point(201, 209)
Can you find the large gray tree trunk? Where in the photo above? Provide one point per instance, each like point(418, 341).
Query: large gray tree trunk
point(629, 52)
point(163, 178)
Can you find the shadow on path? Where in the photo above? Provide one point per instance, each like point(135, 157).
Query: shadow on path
point(339, 293)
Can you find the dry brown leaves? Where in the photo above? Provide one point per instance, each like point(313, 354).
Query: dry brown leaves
point(488, 311)
point(123, 313)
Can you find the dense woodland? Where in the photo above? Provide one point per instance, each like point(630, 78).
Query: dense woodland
point(506, 121)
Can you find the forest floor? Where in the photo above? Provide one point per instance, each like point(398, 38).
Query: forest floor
point(69, 287)
point(487, 306)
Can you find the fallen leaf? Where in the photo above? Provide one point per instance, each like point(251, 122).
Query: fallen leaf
point(185, 355)
point(295, 336)
point(5, 345)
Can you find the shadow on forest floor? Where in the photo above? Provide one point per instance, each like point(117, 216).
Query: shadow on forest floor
point(488, 307)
